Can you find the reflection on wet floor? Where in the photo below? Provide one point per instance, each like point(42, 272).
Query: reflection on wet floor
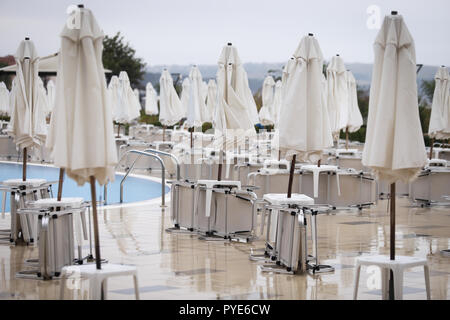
point(180, 266)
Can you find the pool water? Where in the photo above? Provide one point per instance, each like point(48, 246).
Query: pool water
point(135, 189)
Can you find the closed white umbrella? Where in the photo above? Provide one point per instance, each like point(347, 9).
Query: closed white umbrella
point(211, 99)
point(204, 90)
point(304, 124)
point(4, 99)
point(129, 103)
point(439, 127)
point(185, 91)
point(42, 99)
point(51, 94)
point(114, 98)
point(277, 102)
point(81, 136)
point(232, 117)
point(394, 147)
point(170, 109)
point(353, 120)
point(151, 100)
point(337, 98)
point(266, 113)
point(196, 104)
point(25, 123)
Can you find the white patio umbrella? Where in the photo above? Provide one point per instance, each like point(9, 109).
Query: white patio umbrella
point(151, 100)
point(266, 113)
point(337, 98)
point(204, 90)
point(137, 95)
point(114, 98)
point(277, 102)
point(129, 103)
point(304, 127)
point(81, 136)
point(42, 100)
point(439, 127)
point(170, 108)
point(185, 91)
point(4, 99)
point(196, 113)
point(232, 117)
point(128, 107)
point(196, 103)
point(394, 147)
point(51, 94)
point(25, 123)
point(211, 99)
point(353, 119)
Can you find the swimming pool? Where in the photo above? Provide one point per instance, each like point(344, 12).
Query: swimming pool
point(135, 188)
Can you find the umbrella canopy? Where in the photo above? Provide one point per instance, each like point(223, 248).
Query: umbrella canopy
point(151, 100)
point(81, 129)
point(439, 127)
point(42, 101)
point(337, 97)
point(196, 106)
point(204, 90)
point(304, 123)
point(51, 94)
point(354, 119)
point(277, 102)
point(4, 99)
point(211, 99)
point(27, 123)
point(170, 109)
point(137, 95)
point(129, 106)
point(114, 98)
point(394, 146)
point(266, 113)
point(185, 91)
point(232, 110)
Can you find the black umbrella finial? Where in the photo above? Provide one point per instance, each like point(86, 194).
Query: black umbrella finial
point(27, 38)
point(311, 34)
point(81, 6)
point(337, 54)
point(394, 13)
point(230, 44)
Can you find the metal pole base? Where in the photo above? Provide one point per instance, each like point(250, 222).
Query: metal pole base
point(319, 268)
point(179, 230)
point(445, 253)
point(275, 268)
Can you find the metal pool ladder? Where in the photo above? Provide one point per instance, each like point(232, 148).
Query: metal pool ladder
point(152, 154)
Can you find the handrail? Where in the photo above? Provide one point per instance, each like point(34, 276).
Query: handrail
point(168, 155)
point(163, 173)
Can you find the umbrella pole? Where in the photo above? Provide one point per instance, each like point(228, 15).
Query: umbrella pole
point(431, 148)
point(95, 221)
point(164, 133)
point(291, 176)
point(192, 139)
point(118, 130)
point(24, 165)
point(60, 184)
point(392, 240)
point(346, 137)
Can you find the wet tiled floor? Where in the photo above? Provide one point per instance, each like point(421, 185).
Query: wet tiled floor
point(180, 266)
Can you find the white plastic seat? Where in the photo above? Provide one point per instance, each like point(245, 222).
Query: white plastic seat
point(98, 278)
point(398, 267)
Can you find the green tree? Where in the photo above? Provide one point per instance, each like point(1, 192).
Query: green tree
point(427, 88)
point(120, 56)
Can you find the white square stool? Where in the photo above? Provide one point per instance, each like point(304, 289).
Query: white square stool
point(98, 278)
point(397, 266)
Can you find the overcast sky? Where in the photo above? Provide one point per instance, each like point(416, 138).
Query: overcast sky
point(194, 31)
